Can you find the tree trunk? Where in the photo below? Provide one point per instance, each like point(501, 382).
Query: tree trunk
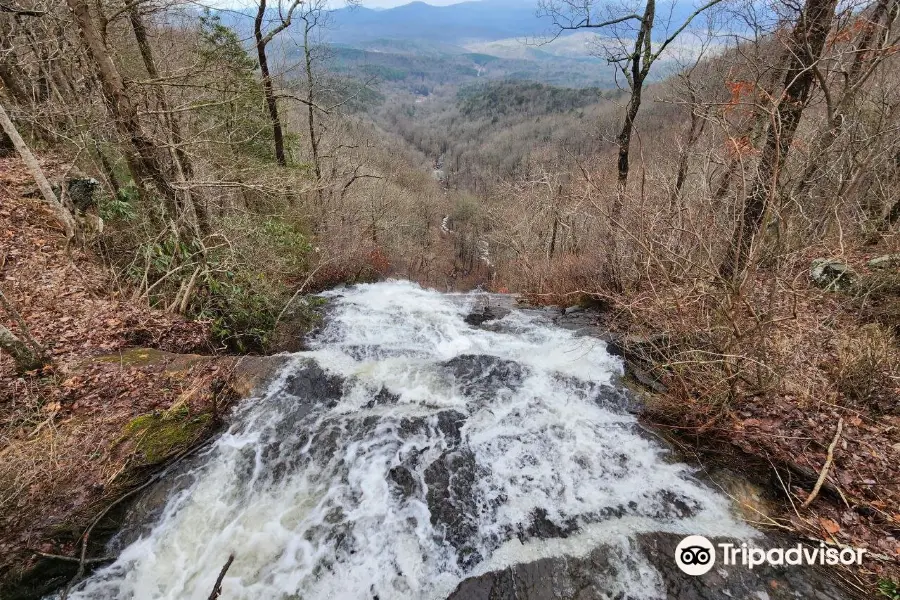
point(893, 215)
point(313, 140)
point(8, 75)
point(142, 159)
point(268, 89)
point(183, 170)
point(624, 139)
point(24, 357)
point(806, 44)
point(62, 214)
point(697, 125)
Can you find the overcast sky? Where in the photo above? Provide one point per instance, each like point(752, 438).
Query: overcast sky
point(247, 4)
point(392, 3)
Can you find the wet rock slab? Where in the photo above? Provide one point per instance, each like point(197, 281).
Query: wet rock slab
point(600, 575)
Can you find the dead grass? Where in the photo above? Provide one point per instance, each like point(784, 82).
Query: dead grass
point(867, 366)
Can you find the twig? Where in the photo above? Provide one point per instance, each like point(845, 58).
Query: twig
point(824, 473)
point(21, 12)
point(87, 561)
point(217, 589)
point(10, 309)
point(300, 289)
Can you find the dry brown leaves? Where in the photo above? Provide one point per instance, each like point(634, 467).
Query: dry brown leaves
point(59, 459)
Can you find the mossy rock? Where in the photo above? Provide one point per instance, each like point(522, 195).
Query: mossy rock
point(157, 436)
point(148, 357)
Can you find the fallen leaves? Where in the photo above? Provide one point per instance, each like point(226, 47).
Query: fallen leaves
point(57, 429)
point(829, 526)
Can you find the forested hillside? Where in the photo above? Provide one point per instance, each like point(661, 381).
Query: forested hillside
point(183, 179)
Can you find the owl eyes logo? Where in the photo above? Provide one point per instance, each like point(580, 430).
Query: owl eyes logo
point(695, 555)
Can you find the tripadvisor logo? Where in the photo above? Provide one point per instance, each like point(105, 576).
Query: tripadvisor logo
point(696, 555)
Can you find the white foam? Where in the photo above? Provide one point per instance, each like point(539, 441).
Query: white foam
point(289, 507)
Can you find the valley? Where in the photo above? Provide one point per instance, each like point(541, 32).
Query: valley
point(490, 299)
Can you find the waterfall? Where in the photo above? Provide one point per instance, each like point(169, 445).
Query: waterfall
point(410, 450)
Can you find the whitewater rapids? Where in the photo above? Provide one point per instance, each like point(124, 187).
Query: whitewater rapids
point(410, 450)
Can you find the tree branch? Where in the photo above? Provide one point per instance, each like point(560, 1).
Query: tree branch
point(22, 12)
point(586, 22)
point(285, 22)
point(684, 26)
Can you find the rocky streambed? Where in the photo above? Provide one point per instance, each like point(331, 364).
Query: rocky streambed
point(431, 446)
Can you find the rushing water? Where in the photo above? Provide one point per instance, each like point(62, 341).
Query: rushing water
point(410, 450)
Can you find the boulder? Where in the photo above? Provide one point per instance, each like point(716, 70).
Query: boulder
point(643, 569)
point(486, 313)
point(832, 275)
point(888, 261)
point(81, 191)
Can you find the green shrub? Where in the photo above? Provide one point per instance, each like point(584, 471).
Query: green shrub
point(889, 589)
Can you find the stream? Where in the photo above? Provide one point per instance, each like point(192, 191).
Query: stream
point(410, 454)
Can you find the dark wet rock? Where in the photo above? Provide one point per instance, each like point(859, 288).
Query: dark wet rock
point(597, 576)
point(383, 397)
point(543, 528)
point(561, 578)
point(640, 353)
point(46, 576)
point(609, 396)
point(484, 314)
point(675, 506)
point(453, 501)
point(480, 375)
point(447, 422)
point(405, 480)
point(582, 320)
point(736, 581)
point(615, 343)
point(81, 191)
point(644, 378)
point(374, 353)
point(312, 383)
point(306, 389)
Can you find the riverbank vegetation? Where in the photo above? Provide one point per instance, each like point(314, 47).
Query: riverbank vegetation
point(200, 182)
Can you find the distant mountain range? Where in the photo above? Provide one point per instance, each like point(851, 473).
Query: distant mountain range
point(475, 25)
point(458, 24)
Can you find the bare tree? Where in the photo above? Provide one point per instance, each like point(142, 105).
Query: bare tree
point(8, 75)
point(62, 214)
point(805, 47)
point(869, 50)
point(141, 156)
point(633, 52)
point(181, 163)
point(312, 18)
point(262, 41)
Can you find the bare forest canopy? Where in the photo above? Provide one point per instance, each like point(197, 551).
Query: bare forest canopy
point(218, 136)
